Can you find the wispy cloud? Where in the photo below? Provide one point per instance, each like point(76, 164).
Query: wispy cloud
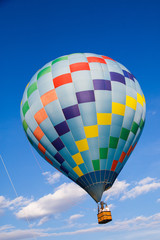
point(144, 186)
point(75, 217)
point(52, 178)
point(139, 223)
point(124, 190)
point(61, 200)
point(13, 204)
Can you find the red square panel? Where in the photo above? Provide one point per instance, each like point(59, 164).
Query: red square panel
point(62, 79)
point(96, 59)
point(79, 66)
point(114, 165)
point(108, 58)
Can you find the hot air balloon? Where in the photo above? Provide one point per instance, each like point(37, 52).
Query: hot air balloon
point(84, 114)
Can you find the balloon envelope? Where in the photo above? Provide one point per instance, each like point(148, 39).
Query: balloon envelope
point(84, 114)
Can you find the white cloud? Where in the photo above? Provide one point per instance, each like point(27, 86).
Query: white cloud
point(61, 200)
point(13, 204)
point(52, 177)
point(144, 186)
point(140, 225)
point(75, 217)
point(118, 188)
point(124, 190)
point(158, 200)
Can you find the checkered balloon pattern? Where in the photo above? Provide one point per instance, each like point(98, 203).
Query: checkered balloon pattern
point(84, 114)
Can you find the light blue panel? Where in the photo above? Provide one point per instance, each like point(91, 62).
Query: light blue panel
point(35, 107)
point(66, 155)
point(32, 137)
point(55, 162)
point(128, 118)
point(138, 134)
point(87, 160)
point(48, 146)
point(103, 164)
point(106, 73)
point(31, 122)
point(88, 113)
point(66, 95)
point(76, 58)
point(138, 88)
point(83, 168)
point(129, 83)
point(114, 67)
point(96, 70)
point(138, 114)
point(117, 120)
point(119, 150)
point(76, 128)
point(118, 167)
point(118, 92)
point(66, 165)
point(46, 84)
point(60, 68)
point(93, 148)
point(129, 142)
point(131, 92)
point(103, 101)
point(49, 130)
point(111, 153)
point(34, 98)
point(133, 85)
point(104, 133)
point(69, 143)
point(115, 131)
point(82, 80)
point(54, 112)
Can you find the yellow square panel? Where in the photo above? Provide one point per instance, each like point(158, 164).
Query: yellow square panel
point(140, 99)
point(104, 118)
point(78, 158)
point(118, 108)
point(78, 171)
point(91, 131)
point(131, 102)
point(144, 99)
point(82, 145)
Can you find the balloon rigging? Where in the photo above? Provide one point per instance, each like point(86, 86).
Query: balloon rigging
point(84, 114)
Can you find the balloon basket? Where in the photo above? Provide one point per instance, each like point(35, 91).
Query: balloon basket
point(104, 217)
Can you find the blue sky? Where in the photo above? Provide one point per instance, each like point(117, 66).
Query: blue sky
point(34, 33)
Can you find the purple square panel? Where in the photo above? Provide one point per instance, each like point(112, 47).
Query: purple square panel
point(62, 128)
point(85, 96)
point(117, 77)
point(58, 144)
point(100, 84)
point(71, 112)
point(59, 158)
point(64, 169)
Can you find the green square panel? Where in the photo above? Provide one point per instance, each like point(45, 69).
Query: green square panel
point(25, 126)
point(141, 124)
point(124, 133)
point(43, 71)
point(25, 108)
point(31, 89)
point(103, 153)
point(113, 141)
point(96, 164)
point(60, 59)
point(134, 127)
